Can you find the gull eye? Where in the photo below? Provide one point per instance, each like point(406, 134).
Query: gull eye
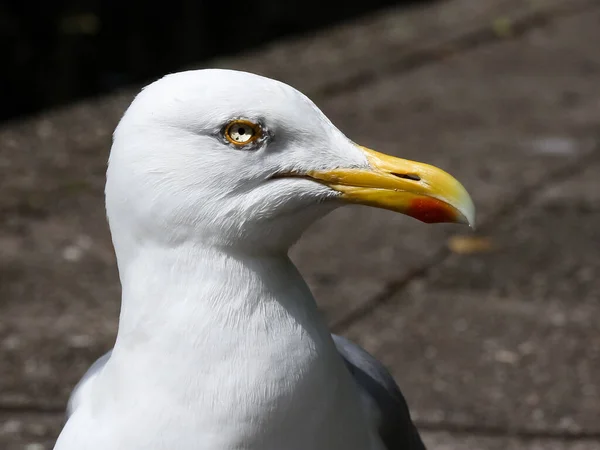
point(242, 132)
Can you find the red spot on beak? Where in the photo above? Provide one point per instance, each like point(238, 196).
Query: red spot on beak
point(431, 210)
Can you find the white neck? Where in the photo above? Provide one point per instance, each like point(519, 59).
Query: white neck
point(212, 295)
point(231, 342)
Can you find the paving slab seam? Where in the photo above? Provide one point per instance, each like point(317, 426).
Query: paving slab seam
point(491, 431)
point(31, 409)
point(519, 200)
point(472, 40)
point(424, 426)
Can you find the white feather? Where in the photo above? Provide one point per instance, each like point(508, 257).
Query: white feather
point(220, 344)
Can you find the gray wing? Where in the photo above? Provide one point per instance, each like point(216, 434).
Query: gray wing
point(79, 389)
point(387, 403)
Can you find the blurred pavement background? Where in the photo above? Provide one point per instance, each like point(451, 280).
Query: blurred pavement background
point(493, 335)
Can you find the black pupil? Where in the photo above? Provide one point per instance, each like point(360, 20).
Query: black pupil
point(241, 131)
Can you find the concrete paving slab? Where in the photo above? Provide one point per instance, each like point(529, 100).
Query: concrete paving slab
point(29, 431)
point(495, 117)
point(506, 337)
point(37, 432)
point(362, 51)
point(454, 441)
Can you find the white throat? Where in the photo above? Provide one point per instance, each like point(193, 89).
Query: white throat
point(231, 343)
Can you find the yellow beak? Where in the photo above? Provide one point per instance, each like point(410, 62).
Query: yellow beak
point(418, 190)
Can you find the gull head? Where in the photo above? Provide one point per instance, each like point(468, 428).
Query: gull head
point(228, 158)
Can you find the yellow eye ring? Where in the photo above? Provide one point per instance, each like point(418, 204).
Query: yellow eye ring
point(242, 132)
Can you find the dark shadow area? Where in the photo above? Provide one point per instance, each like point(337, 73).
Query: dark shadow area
point(56, 52)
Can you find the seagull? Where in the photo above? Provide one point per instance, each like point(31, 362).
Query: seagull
point(213, 175)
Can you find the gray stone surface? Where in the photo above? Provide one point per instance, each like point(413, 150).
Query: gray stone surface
point(385, 44)
point(460, 441)
point(489, 116)
point(34, 431)
point(29, 431)
point(501, 93)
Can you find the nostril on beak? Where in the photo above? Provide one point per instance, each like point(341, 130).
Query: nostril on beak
point(407, 176)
